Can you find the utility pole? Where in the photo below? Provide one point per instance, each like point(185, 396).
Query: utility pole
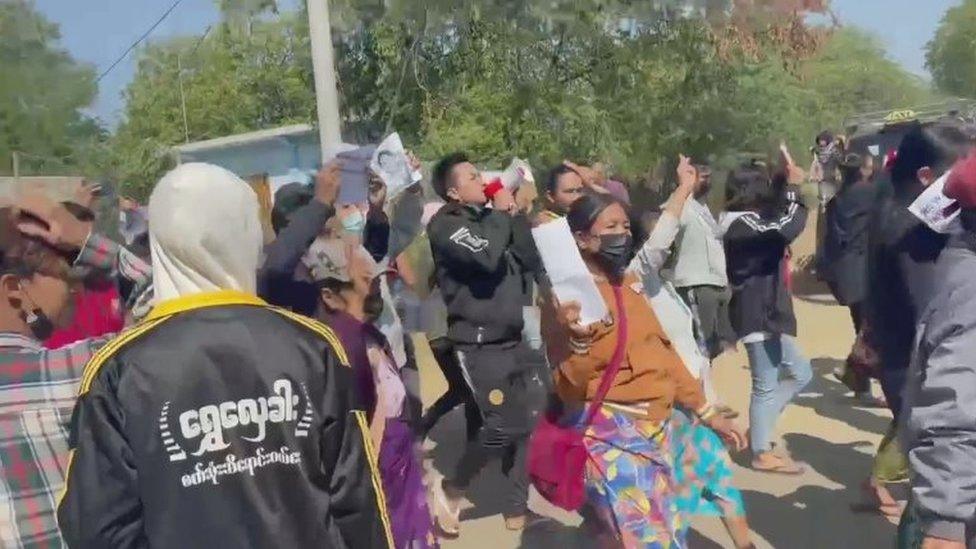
point(323, 68)
point(16, 161)
point(179, 70)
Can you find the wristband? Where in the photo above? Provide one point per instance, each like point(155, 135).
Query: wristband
point(492, 188)
point(706, 413)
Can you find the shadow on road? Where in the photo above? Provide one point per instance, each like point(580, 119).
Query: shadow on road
point(833, 400)
point(786, 521)
point(487, 491)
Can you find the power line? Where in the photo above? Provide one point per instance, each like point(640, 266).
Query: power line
point(137, 42)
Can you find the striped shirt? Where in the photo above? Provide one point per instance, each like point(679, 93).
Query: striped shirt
point(38, 389)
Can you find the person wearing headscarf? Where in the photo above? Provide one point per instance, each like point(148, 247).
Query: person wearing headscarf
point(224, 422)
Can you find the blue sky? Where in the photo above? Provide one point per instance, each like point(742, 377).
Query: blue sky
point(98, 31)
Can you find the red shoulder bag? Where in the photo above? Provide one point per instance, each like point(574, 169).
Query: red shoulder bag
point(557, 454)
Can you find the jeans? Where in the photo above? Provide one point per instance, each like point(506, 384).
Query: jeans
point(770, 394)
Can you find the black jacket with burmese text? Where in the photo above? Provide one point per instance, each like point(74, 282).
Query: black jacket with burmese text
point(221, 422)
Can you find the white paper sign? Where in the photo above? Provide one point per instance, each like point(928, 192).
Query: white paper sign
point(516, 173)
point(390, 162)
point(571, 280)
point(936, 210)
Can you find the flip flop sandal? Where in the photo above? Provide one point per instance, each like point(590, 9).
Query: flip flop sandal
point(889, 510)
point(784, 468)
point(447, 520)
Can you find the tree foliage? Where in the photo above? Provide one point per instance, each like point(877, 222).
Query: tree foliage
point(232, 82)
point(951, 55)
point(629, 83)
point(41, 96)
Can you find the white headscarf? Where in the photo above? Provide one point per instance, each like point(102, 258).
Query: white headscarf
point(204, 232)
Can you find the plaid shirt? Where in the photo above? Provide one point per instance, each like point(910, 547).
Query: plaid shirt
point(38, 389)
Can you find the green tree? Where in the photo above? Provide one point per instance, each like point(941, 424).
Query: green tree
point(951, 55)
point(42, 95)
point(232, 83)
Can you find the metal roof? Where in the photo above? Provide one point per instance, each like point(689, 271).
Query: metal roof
point(249, 138)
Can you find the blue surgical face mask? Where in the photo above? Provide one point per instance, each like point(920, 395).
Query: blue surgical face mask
point(354, 223)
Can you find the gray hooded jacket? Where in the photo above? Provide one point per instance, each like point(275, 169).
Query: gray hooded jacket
point(940, 400)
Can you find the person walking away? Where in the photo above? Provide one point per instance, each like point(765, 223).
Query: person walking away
point(902, 252)
point(763, 218)
point(940, 394)
point(482, 256)
point(349, 288)
point(843, 263)
point(828, 153)
point(224, 422)
point(702, 467)
point(41, 243)
point(629, 483)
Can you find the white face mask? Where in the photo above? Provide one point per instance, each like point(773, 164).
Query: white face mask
point(354, 223)
point(936, 210)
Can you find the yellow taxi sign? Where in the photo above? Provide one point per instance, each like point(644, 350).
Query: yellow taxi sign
point(901, 116)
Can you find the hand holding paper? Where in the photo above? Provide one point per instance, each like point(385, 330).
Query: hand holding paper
point(354, 175)
point(571, 280)
point(394, 166)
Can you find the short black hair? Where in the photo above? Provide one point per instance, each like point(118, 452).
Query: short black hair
point(289, 199)
point(441, 178)
point(937, 146)
point(552, 180)
point(824, 136)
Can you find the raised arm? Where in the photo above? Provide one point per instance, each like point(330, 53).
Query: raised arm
point(282, 255)
point(654, 253)
point(787, 226)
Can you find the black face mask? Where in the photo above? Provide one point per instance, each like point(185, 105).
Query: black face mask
point(616, 251)
point(373, 306)
point(40, 325)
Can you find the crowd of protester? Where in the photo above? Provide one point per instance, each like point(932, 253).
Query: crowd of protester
point(262, 397)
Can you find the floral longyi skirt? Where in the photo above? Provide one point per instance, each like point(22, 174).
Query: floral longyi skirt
point(629, 482)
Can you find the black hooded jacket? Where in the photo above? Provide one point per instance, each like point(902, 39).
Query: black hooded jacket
point(902, 252)
point(485, 262)
point(755, 254)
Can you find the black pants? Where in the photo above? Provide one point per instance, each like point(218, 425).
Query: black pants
point(507, 385)
point(858, 382)
point(857, 315)
point(458, 393)
point(710, 305)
